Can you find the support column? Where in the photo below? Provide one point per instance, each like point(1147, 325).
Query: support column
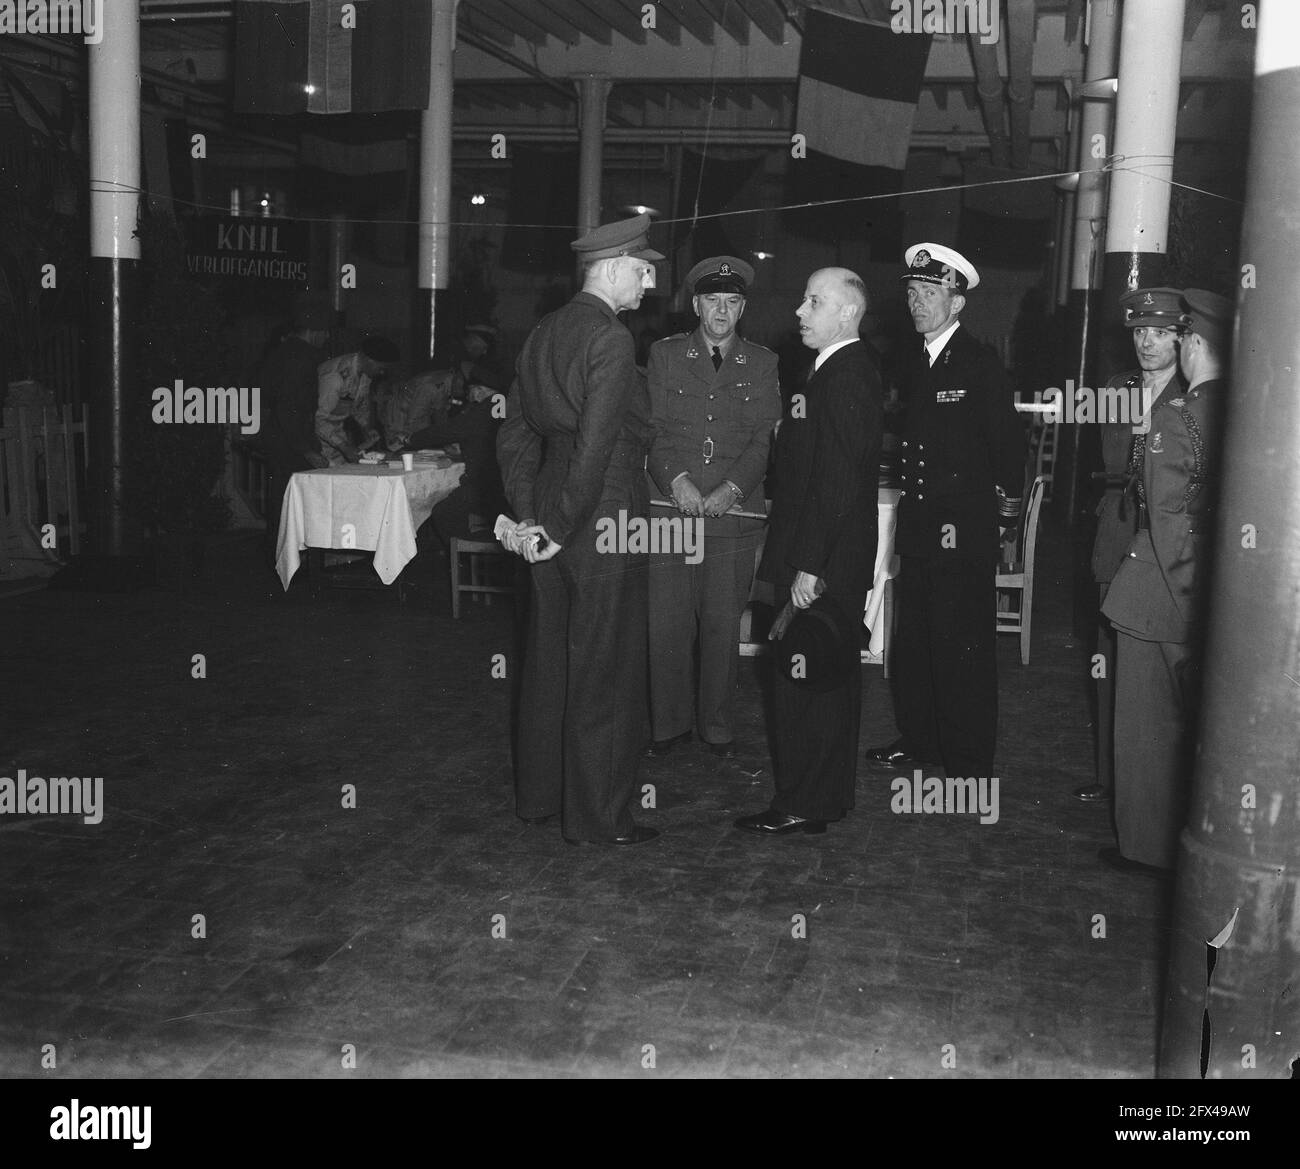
point(1238, 884)
point(435, 166)
point(593, 90)
point(114, 101)
point(1146, 118)
point(1095, 111)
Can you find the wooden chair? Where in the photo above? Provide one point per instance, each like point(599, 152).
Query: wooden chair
point(480, 581)
point(1045, 455)
point(1018, 578)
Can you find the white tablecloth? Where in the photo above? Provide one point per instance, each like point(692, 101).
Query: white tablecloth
point(886, 568)
point(361, 507)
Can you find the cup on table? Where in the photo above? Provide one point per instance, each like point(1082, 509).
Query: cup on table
point(408, 461)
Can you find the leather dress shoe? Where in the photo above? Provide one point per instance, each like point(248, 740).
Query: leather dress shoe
point(1094, 793)
point(891, 755)
point(663, 746)
point(723, 750)
point(774, 823)
point(640, 834)
point(1113, 858)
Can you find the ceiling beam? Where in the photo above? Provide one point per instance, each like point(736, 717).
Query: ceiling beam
point(542, 16)
point(689, 15)
point(769, 18)
point(733, 19)
point(578, 15)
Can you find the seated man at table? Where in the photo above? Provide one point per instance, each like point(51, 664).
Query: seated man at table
point(407, 407)
point(471, 509)
point(344, 423)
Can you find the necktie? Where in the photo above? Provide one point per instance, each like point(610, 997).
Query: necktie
point(717, 358)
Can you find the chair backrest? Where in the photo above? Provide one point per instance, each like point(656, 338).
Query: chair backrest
point(1031, 520)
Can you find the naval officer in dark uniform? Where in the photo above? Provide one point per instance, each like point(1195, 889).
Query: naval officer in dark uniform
point(820, 551)
point(1155, 600)
point(1153, 315)
point(714, 399)
point(572, 453)
point(962, 467)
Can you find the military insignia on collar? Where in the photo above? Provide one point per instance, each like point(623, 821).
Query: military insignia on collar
point(692, 352)
point(921, 259)
point(739, 359)
point(1156, 445)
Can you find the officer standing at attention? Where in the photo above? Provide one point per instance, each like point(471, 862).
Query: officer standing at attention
point(714, 399)
point(1155, 600)
point(962, 468)
point(572, 452)
point(1153, 315)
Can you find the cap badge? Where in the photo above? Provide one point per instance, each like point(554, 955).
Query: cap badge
point(1149, 299)
point(724, 269)
point(921, 259)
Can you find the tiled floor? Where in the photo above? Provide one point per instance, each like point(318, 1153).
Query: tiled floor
point(935, 945)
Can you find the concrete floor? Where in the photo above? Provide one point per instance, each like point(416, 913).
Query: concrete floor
point(935, 946)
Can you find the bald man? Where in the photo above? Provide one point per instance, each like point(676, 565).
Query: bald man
point(820, 552)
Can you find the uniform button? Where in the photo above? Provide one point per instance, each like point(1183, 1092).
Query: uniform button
point(708, 418)
point(920, 482)
point(904, 444)
point(920, 496)
point(921, 463)
point(710, 397)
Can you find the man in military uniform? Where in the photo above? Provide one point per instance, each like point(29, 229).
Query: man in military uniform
point(714, 399)
point(1155, 599)
point(345, 423)
point(1153, 315)
point(819, 554)
point(572, 453)
point(962, 467)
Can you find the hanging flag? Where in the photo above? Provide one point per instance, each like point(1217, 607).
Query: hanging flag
point(330, 57)
point(858, 87)
point(1006, 217)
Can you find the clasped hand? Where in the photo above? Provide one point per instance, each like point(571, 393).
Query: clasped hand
point(530, 541)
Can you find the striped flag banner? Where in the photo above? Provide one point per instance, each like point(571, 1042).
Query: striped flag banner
point(859, 82)
point(331, 57)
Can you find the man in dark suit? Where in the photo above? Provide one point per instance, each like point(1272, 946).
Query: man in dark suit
point(714, 399)
point(962, 468)
point(821, 547)
point(572, 455)
point(1153, 315)
point(1155, 599)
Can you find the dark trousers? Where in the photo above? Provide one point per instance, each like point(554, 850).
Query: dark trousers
point(1105, 695)
point(1156, 686)
point(698, 603)
point(815, 739)
point(945, 663)
point(582, 707)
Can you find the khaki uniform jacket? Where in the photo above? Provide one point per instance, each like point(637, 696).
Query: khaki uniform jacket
point(1156, 594)
point(1117, 514)
point(715, 425)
